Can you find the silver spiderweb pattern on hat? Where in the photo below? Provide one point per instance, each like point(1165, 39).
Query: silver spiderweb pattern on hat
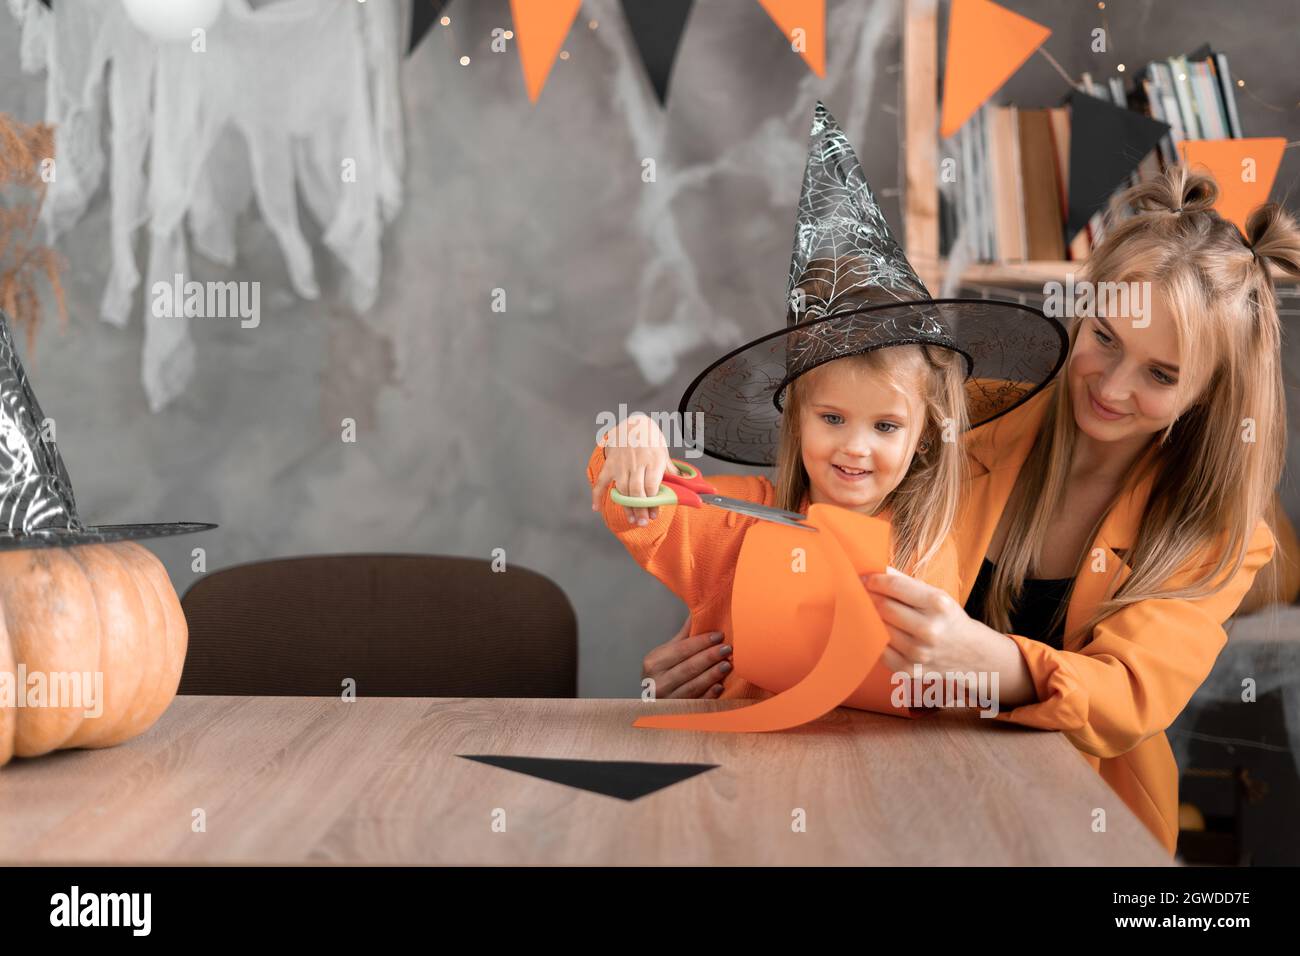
point(850, 290)
point(37, 507)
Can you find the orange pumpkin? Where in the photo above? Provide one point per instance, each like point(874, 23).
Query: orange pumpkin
point(98, 608)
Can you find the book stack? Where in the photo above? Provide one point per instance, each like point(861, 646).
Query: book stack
point(1011, 192)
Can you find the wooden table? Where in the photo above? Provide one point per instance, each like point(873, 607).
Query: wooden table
point(320, 780)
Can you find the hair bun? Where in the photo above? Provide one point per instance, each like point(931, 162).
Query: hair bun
point(1177, 189)
point(1272, 234)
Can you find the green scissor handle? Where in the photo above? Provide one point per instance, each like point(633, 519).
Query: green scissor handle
point(665, 496)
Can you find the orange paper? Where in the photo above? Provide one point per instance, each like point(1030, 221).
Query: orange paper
point(986, 44)
point(808, 16)
point(1243, 168)
point(540, 29)
point(842, 618)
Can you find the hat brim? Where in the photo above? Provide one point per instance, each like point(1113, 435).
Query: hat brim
point(103, 534)
point(1012, 351)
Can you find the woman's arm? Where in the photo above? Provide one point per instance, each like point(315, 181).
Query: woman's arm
point(1129, 682)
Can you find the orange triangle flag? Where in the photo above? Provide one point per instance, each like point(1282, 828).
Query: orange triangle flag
point(849, 629)
point(807, 16)
point(1243, 168)
point(540, 28)
point(986, 44)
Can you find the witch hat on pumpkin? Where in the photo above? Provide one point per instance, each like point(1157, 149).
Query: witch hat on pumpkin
point(37, 509)
point(852, 290)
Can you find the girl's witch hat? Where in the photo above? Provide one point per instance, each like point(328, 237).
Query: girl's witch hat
point(37, 509)
point(852, 290)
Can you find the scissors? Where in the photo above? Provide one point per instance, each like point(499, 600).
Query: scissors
point(689, 489)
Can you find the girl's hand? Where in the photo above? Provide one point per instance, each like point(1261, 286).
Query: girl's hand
point(636, 457)
point(688, 667)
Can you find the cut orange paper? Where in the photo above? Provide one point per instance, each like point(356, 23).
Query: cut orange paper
point(1226, 161)
point(849, 545)
point(986, 44)
point(540, 29)
point(808, 16)
point(782, 616)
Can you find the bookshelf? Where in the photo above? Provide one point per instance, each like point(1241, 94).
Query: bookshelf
point(921, 165)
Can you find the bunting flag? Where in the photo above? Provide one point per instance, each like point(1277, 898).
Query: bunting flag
point(1106, 144)
point(1243, 168)
point(803, 23)
point(657, 27)
point(540, 29)
point(986, 44)
point(424, 13)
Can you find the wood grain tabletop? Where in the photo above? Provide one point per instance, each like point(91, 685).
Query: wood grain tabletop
point(293, 780)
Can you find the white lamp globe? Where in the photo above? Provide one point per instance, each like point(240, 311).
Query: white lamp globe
point(171, 19)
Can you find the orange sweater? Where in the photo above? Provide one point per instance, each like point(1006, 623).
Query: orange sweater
point(694, 552)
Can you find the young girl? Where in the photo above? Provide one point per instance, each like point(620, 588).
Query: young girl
point(864, 432)
point(1110, 525)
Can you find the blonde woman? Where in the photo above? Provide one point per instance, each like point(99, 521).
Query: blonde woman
point(1111, 525)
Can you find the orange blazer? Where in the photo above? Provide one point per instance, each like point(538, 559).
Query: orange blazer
point(694, 552)
point(1113, 695)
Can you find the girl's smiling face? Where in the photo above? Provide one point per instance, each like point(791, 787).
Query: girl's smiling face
point(858, 431)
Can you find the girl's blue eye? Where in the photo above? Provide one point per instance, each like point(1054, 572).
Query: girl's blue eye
point(829, 415)
point(1102, 337)
point(888, 426)
point(1161, 377)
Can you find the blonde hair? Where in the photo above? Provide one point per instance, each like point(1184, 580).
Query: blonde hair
point(1210, 487)
point(924, 504)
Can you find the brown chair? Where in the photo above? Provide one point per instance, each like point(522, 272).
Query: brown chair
point(400, 625)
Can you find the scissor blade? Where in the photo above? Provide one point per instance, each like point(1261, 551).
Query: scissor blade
point(763, 512)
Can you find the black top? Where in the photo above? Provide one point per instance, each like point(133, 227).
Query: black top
point(1038, 603)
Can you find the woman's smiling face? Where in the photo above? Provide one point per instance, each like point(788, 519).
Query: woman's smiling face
point(858, 431)
point(1124, 379)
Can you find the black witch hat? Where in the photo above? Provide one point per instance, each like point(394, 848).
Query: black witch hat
point(851, 290)
point(37, 509)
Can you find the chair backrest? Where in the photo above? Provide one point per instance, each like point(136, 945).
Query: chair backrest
point(399, 625)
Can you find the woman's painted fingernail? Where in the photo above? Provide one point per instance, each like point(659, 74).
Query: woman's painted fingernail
point(716, 689)
point(725, 667)
point(715, 637)
point(724, 649)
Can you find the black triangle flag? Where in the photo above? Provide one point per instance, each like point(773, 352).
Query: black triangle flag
point(423, 15)
point(625, 779)
point(1106, 144)
point(657, 26)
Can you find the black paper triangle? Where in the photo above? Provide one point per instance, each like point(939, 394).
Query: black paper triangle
point(625, 779)
point(657, 27)
point(1106, 144)
point(423, 15)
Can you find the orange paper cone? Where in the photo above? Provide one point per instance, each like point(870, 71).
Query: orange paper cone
point(848, 546)
point(986, 44)
point(1243, 168)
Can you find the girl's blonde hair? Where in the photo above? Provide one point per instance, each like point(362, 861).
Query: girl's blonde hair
point(1217, 465)
point(923, 506)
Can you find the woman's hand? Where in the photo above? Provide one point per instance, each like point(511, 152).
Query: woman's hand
point(688, 667)
point(928, 627)
point(636, 457)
